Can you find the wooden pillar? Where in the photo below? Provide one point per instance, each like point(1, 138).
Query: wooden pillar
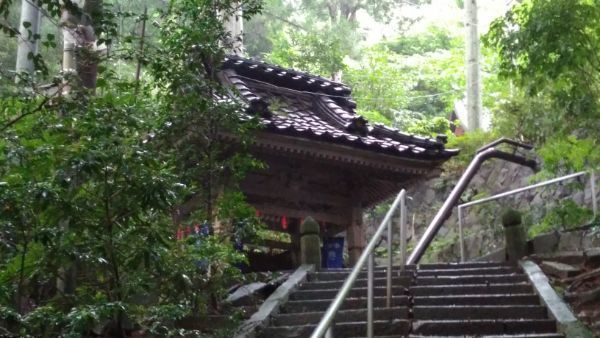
point(356, 235)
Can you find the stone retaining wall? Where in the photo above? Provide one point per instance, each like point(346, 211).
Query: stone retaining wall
point(482, 223)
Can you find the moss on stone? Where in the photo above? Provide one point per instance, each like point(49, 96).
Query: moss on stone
point(511, 217)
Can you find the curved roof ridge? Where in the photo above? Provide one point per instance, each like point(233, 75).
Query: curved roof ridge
point(289, 78)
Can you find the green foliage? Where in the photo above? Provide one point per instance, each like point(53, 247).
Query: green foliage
point(374, 117)
point(312, 52)
point(468, 145)
point(434, 39)
point(430, 127)
point(549, 43)
point(566, 215)
point(91, 186)
point(570, 154)
point(379, 83)
point(549, 50)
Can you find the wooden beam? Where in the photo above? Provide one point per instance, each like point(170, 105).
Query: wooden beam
point(300, 214)
point(291, 195)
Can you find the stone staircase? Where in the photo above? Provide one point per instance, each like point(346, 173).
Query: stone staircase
point(472, 299)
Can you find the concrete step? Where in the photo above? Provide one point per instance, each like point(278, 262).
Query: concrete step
point(467, 312)
point(380, 328)
point(360, 283)
point(435, 266)
point(354, 292)
point(472, 289)
point(532, 335)
point(294, 306)
point(470, 279)
point(470, 299)
point(490, 270)
point(338, 275)
point(480, 327)
point(356, 315)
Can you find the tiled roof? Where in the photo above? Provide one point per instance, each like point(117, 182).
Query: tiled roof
point(303, 105)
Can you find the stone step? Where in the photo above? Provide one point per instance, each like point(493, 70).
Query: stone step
point(338, 275)
point(532, 335)
point(470, 299)
point(356, 315)
point(483, 327)
point(394, 336)
point(436, 266)
point(380, 328)
point(470, 279)
point(294, 306)
point(379, 267)
point(354, 292)
point(467, 312)
point(359, 283)
point(472, 289)
point(491, 270)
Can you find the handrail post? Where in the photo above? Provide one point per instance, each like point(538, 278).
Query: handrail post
point(594, 198)
point(370, 298)
point(365, 257)
point(461, 235)
point(388, 301)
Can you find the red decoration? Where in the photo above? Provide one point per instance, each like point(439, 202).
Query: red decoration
point(196, 228)
point(179, 234)
point(257, 213)
point(284, 223)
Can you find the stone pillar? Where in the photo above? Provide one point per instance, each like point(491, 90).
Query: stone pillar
point(515, 236)
point(356, 236)
point(310, 243)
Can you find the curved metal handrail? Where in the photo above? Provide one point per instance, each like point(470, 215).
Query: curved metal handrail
point(487, 152)
point(324, 325)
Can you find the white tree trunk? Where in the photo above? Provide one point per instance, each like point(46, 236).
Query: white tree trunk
point(474, 85)
point(78, 33)
point(234, 25)
point(29, 13)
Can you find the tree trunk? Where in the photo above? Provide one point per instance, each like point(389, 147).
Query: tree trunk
point(80, 55)
point(234, 25)
point(474, 102)
point(30, 14)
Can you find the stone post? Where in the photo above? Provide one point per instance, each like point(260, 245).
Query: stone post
point(515, 236)
point(310, 243)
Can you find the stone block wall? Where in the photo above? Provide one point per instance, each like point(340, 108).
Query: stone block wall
point(482, 226)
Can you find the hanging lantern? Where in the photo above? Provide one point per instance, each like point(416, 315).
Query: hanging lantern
point(257, 213)
point(284, 223)
point(179, 234)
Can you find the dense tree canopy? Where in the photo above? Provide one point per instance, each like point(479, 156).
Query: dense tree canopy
point(95, 184)
point(550, 51)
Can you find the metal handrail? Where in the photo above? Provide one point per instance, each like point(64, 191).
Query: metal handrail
point(324, 326)
point(519, 190)
point(485, 153)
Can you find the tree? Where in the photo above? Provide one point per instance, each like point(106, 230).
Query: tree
point(549, 50)
point(117, 167)
point(318, 34)
point(29, 28)
point(474, 102)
